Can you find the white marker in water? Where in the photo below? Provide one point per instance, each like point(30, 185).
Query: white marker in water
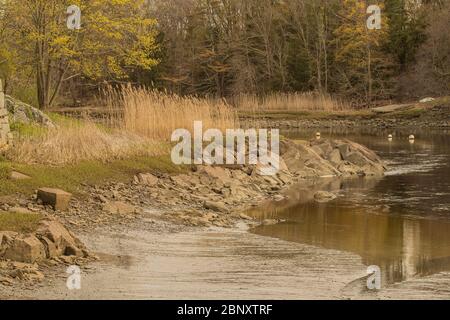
point(318, 135)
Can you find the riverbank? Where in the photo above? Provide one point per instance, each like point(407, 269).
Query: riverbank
point(433, 115)
point(152, 254)
point(201, 196)
point(117, 204)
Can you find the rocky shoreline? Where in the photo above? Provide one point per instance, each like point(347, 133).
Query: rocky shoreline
point(204, 197)
point(431, 115)
point(376, 123)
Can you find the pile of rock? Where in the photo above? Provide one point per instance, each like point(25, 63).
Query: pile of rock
point(215, 195)
point(326, 158)
point(51, 240)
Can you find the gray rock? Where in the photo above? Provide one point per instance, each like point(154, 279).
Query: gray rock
point(24, 113)
point(356, 158)
point(335, 157)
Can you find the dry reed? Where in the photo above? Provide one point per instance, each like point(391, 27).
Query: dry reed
point(293, 102)
point(75, 142)
point(140, 122)
point(155, 115)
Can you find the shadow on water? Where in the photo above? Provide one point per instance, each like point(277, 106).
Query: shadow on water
point(400, 222)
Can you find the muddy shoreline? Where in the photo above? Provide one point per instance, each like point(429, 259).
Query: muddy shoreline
point(432, 116)
point(161, 260)
point(177, 241)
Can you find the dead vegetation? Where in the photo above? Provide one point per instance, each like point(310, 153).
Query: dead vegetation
point(292, 102)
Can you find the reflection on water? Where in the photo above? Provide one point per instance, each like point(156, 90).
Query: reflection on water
point(400, 222)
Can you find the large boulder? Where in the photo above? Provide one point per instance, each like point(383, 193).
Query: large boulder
point(24, 113)
point(26, 248)
point(306, 161)
point(58, 241)
point(350, 158)
point(323, 157)
point(58, 199)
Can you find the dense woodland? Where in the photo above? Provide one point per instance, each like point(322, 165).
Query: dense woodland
point(225, 48)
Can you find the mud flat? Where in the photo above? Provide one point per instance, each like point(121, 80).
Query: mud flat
point(140, 262)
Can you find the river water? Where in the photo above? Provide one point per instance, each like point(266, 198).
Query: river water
point(400, 222)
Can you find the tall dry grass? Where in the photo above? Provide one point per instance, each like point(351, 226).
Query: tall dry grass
point(293, 102)
point(140, 122)
point(73, 142)
point(155, 115)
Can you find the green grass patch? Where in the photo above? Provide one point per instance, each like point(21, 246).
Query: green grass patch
point(19, 222)
point(27, 130)
point(71, 178)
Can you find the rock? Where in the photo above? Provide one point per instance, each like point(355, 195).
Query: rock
point(335, 156)
point(6, 281)
point(63, 240)
point(425, 100)
point(57, 198)
point(226, 192)
point(245, 217)
point(72, 250)
point(6, 238)
point(215, 173)
point(147, 179)
point(269, 222)
point(344, 149)
point(356, 158)
point(182, 180)
point(18, 176)
point(324, 196)
point(25, 249)
point(50, 248)
point(24, 113)
point(119, 207)
point(303, 161)
point(391, 108)
point(215, 206)
point(278, 198)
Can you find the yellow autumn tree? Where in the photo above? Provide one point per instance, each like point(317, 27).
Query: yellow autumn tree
point(363, 66)
point(115, 38)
